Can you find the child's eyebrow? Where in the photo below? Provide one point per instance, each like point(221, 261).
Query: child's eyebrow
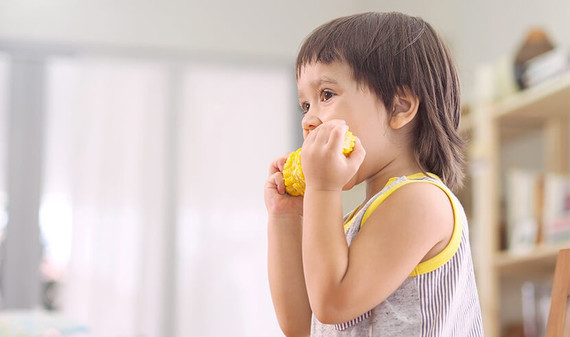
point(318, 82)
point(324, 79)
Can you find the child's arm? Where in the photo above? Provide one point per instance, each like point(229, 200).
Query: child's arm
point(344, 283)
point(285, 264)
point(286, 277)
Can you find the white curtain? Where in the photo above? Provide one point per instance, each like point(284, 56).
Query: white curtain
point(235, 121)
point(103, 205)
point(4, 93)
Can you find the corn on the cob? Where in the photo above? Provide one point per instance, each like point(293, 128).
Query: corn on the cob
point(293, 174)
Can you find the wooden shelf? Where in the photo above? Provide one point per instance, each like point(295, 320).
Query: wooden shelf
point(538, 260)
point(546, 100)
point(545, 109)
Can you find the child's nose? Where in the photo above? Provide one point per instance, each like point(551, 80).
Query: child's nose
point(309, 123)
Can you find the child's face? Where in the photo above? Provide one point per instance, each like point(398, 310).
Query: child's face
point(329, 91)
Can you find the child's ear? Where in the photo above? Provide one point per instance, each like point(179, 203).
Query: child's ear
point(404, 108)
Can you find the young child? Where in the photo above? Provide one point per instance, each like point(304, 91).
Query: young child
point(400, 264)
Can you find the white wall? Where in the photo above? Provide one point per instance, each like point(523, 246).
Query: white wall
point(255, 27)
point(478, 31)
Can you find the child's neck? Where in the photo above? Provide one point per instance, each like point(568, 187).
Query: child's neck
point(396, 168)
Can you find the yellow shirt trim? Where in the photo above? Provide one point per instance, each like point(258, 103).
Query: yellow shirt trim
point(350, 219)
point(447, 253)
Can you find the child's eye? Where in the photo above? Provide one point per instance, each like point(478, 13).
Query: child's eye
point(326, 95)
point(305, 107)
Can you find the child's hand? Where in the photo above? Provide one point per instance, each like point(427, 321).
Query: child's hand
point(324, 165)
point(277, 201)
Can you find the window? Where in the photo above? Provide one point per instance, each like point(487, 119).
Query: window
point(234, 121)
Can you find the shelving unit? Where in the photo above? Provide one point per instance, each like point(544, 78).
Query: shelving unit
point(541, 259)
point(544, 108)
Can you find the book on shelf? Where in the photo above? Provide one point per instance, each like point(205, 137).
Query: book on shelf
point(545, 66)
point(556, 210)
point(522, 209)
point(537, 209)
point(535, 299)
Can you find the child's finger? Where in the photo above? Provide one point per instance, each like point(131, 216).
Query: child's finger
point(277, 164)
point(280, 182)
point(273, 167)
point(276, 182)
point(281, 162)
point(320, 135)
point(329, 128)
point(337, 136)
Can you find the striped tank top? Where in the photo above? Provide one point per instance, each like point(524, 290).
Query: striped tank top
point(439, 298)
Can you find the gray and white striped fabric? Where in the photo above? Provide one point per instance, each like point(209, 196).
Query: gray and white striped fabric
point(442, 302)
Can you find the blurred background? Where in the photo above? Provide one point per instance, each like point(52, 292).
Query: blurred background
point(135, 138)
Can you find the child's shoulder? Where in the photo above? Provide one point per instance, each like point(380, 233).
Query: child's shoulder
point(423, 196)
point(415, 203)
point(414, 191)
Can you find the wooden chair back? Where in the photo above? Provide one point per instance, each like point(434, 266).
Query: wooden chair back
point(559, 317)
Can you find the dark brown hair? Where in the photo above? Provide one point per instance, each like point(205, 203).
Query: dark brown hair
point(389, 52)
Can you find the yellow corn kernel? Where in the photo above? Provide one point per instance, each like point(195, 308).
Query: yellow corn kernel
point(348, 143)
point(293, 173)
